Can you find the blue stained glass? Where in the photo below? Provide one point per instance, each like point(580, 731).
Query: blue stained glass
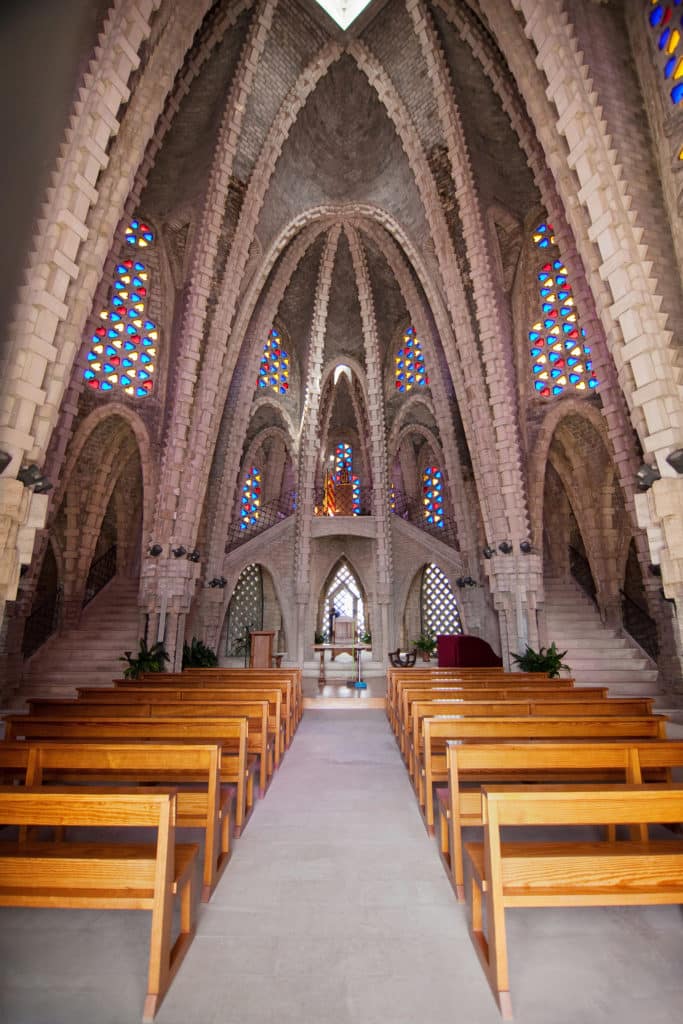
point(535, 352)
point(130, 239)
point(115, 318)
point(130, 329)
point(567, 328)
point(89, 375)
point(127, 362)
point(149, 326)
point(539, 385)
point(91, 357)
point(669, 66)
point(134, 297)
point(129, 346)
point(543, 244)
point(116, 301)
point(554, 356)
point(548, 323)
point(108, 368)
point(574, 378)
point(677, 93)
point(557, 390)
point(135, 224)
point(140, 392)
point(656, 16)
point(592, 383)
point(664, 37)
point(547, 307)
point(534, 335)
point(106, 385)
point(110, 350)
point(143, 375)
point(555, 373)
point(572, 361)
point(112, 334)
point(144, 358)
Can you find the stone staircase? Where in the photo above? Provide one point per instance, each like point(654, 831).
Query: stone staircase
point(87, 655)
point(597, 654)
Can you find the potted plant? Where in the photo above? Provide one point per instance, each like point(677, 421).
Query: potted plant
point(545, 659)
point(197, 655)
point(426, 644)
point(148, 659)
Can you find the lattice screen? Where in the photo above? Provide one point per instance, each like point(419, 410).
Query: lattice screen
point(438, 606)
point(245, 611)
point(344, 596)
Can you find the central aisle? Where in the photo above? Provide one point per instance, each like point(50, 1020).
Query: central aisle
point(335, 908)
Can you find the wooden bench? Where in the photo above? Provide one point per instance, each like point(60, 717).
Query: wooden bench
point(470, 765)
point(189, 682)
point(268, 676)
point(159, 694)
point(102, 875)
point(230, 733)
point(202, 801)
point(567, 873)
point(432, 766)
point(261, 737)
point(486, 678)
point(556, 708)
point(427, 691)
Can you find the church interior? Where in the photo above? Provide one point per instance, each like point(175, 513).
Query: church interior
point(345, 324)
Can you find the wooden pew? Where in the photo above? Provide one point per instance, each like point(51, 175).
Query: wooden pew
point(231, 733)
point(470, 765)
point(557, 708)
point(189, 682)
point(159, 694)
point(427, 691)
point(270, 676)
point(103, 875)
point(432, 767)
point(568, 873)
point(260, 741)
point(508, 680)
point(202, 802)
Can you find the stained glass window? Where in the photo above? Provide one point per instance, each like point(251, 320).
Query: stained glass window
point(343, 460)
point(124, 346)
point(561, 358)
point(432, 496)
point(273, 370)
point(665, 22)
point(410, 363)
point(250, 506)
point(439, 607)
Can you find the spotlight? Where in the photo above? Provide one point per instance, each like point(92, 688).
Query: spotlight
point(466, 581)
point(29, 475)
point(179, 552)
point(675, 460)
point(5, 459)
point(525, 547)
point(505, 546)
point(647, 475)
point(488, 552)
point(218, 581)
point(194, 556)
point(155, 550)
point(43, 487)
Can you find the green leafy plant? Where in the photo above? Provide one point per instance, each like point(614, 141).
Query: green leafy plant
point(197, 655)
point(426, 642)
point(366, 638)
point(546, 659)
point(148, 659)
point(319, 638)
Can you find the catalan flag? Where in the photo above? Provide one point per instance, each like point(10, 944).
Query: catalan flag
point(329, 503)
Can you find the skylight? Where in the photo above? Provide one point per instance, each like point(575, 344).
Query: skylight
point(344, 12)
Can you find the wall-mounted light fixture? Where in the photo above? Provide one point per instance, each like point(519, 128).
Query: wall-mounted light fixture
point(505, 546)
point(525, 547)
point(194, 556)
point(32, 476)
point(647, 475)
point(179, 552)
point(155, 550)
point(675, 460)
point(218, 581)
point(488, 551)
point(465, 581)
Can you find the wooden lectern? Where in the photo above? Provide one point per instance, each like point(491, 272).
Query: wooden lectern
point(261, 652)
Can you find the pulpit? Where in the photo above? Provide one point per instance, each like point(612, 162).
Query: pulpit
point(261, 651)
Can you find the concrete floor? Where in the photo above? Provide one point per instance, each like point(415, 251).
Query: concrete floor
point(335, 909)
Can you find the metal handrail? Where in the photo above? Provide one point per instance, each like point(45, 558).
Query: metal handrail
point(640, 625)
point(102, 570)
point(269, 514)
point(41, 623)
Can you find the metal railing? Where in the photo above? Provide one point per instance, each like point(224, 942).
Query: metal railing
point(41, 623)
point(640, 624)
point(579, 566)
point(102, 570)
point(270, 514)
point(413, 512)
